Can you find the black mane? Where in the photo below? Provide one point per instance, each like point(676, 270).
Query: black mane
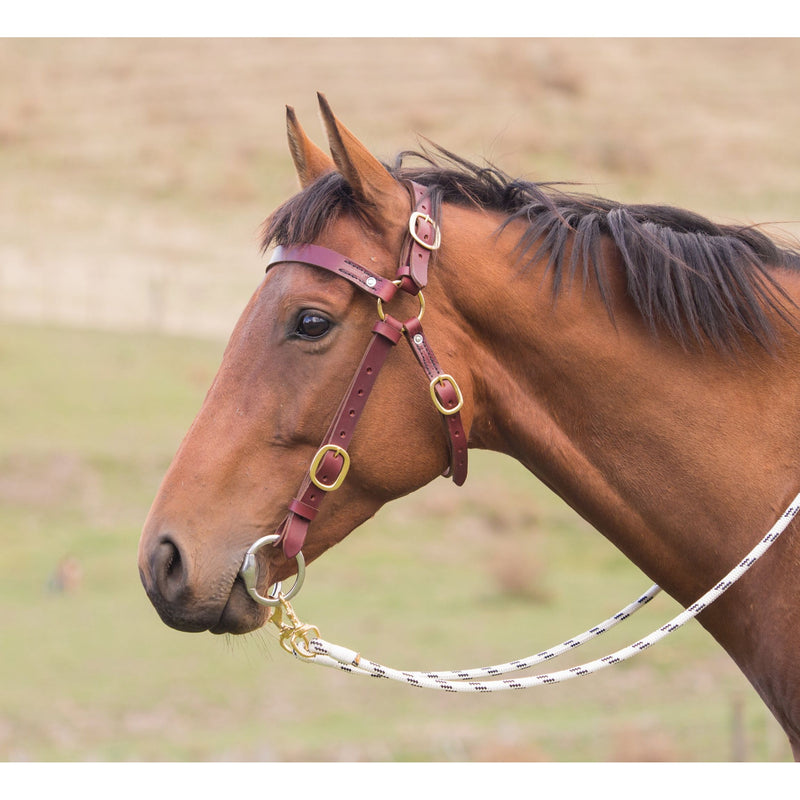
point(704, 282)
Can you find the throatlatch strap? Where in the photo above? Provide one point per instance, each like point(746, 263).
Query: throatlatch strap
point(449, 399)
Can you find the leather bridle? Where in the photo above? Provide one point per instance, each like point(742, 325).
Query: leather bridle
point(331, 463)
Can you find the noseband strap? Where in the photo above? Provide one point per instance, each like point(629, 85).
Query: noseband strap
point(329, 466)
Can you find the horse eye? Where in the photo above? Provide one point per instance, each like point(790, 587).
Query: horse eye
point(312, 326)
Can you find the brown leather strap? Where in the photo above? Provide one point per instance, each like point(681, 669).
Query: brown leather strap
point(421, 243)
point(412, 276)
point(305, 506)
point(316, 256)
point(449, 397)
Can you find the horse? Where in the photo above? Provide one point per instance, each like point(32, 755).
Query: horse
point(639, 360)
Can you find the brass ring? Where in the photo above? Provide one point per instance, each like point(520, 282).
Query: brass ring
point(421, 299)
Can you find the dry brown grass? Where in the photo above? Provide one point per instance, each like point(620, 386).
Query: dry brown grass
point(136, 172)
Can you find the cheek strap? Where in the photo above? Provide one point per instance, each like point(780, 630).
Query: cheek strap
point(330, 464)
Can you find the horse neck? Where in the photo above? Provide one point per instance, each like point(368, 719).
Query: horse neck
point(683, 460)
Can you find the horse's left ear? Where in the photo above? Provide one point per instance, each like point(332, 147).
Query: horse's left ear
point(372, 184)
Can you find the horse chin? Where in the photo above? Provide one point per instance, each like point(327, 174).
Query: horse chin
point(240, 615)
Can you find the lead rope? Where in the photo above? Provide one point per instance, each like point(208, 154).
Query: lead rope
point(304, 641)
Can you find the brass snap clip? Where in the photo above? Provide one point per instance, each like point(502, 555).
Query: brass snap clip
point(294, 636)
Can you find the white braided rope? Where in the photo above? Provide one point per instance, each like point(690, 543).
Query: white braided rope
point(538, 658)
point(338, 657)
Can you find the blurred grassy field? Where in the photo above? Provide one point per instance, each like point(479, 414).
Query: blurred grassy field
point(445, 578)
point(135, 176)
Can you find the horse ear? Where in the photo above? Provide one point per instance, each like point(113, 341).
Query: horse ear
point(309, 161)
point(371, 182)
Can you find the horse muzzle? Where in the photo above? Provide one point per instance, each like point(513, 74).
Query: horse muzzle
point(187, 600)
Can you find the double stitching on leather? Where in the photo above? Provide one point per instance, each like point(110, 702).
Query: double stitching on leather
point(457, 440)
point(316, 256)
point(419, 344)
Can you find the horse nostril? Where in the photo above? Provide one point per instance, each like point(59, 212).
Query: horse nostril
point(169, 570)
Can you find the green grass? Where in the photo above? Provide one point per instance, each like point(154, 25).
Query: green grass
point(93, 674)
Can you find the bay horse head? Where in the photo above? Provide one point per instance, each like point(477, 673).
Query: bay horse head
point(640, 360)
point(298, 344)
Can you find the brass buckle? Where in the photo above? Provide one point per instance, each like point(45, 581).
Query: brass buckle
point(412, 229)
point(312, 471)
point(444, 378)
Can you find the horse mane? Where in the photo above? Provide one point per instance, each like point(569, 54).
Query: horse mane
point(703, 282)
